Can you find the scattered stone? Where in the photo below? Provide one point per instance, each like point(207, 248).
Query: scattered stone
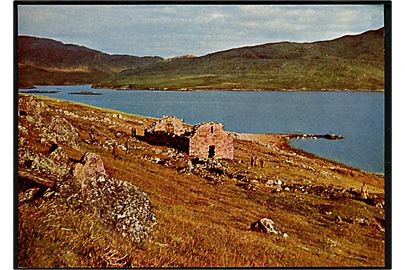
point(117, 116)
point(278, 182)
point(269, 183)
point(210, 169)
point(249, 186)
point(43, 170)
point(380, 205)
point(361, 221)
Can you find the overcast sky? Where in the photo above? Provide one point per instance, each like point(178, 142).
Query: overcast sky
point(170, 30)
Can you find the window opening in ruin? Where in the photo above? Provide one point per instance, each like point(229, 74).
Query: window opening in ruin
point(170, 128)
point(211, 151)
point(212, 129)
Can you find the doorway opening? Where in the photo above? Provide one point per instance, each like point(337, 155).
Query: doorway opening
point(211, 151)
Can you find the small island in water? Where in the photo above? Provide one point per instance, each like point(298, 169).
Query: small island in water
point(39, 91)
point(86, 93)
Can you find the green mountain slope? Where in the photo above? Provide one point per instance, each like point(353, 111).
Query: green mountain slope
point(46, 61)
point(347, 63)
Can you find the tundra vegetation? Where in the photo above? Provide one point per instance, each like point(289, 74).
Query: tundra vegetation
point(354, 62)
point(203, 211)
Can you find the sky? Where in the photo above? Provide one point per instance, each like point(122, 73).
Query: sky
point(173, 30)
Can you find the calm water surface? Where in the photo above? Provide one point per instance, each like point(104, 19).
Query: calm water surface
point(359, 117)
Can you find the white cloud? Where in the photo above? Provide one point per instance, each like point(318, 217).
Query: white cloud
point(168, 30)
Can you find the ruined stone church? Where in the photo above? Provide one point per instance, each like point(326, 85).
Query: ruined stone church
point(205, 140)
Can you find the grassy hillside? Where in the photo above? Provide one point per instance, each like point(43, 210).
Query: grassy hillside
point(203, 214)
point(46, 61)
point(347, 63)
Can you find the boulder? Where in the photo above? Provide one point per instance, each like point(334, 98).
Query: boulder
point(91, 166)
point(30, 105)
point(43, 170)
point(119, 205)
point(58, 154)
point(265, 225)
point(60, 130)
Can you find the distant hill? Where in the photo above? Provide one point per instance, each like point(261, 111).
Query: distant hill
point(46, 61)
point(353, 62)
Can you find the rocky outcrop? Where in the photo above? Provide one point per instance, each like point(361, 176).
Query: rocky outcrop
point(61, 130)
point(34, 113)
point(118, 204)
point(43, 170)
point(30, 106)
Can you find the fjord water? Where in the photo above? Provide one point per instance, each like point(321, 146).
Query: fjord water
point(358, 116)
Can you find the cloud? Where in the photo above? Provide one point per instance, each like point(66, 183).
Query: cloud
point(169, 30)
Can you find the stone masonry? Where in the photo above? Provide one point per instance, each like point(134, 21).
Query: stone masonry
point(206, 140)
point(209, 140)
point(170, 125)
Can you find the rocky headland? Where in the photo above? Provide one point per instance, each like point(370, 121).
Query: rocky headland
point(91, 194)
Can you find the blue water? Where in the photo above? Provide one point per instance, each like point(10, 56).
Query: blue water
point(359, 117)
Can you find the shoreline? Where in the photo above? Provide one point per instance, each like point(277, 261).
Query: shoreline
point(283, 141)
point(238, 90)
point(211, 89)
point(308, 197)
point(280, 139)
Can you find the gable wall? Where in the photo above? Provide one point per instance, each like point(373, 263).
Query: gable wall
point(203, 138)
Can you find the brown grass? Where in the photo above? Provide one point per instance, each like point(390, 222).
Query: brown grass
point(53, 235)
point(201, 224)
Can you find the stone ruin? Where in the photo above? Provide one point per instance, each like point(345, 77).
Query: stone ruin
point(168, 131)
point(209, 140)
point(205, 140)
point(169, 125)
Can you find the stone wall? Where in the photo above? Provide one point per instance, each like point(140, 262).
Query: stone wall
point(211, 134)
point(178, 142)
point(170, 125)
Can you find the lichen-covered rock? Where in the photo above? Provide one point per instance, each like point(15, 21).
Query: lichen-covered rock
point(30, 105)
point(119, 204)
point(30, 110)
point(91, 166)
point(35, 114)
point(60, 130)
point(265, 225)
point(52, 167)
